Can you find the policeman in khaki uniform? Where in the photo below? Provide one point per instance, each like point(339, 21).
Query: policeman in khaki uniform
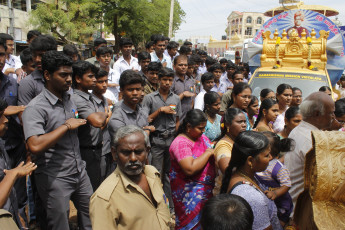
point(132, 196)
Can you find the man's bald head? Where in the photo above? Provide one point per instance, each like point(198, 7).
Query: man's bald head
point(318, 109)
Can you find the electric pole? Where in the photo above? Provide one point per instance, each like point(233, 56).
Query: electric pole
point(11, 17)
point(171, 18)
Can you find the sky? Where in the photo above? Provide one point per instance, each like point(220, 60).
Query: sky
point(209, 17)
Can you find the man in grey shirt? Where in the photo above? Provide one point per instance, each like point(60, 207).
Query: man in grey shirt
point(33, 84)
point(50, 129)
point(164, 109)
point(90, 135)
point(129, 111)
point(107, 162)
point(183, 85)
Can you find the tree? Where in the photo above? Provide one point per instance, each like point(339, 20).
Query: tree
point(68, 19)
point(139, 19)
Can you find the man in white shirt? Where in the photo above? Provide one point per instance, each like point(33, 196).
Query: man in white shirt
point(126, 61)
point(103, 56)
point(318, 113)
point(158, 55)
point(171, 50)
point(202, 67)
point(13, 65)
point(207, 81)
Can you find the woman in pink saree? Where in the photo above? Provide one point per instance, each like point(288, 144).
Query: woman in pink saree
point(192, 170)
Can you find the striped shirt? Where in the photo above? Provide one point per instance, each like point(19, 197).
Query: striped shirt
point(283, 175)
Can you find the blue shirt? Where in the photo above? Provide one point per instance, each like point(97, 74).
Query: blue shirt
point(213, 131)
point(166, 59)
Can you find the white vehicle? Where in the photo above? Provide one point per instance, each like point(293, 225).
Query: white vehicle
point(230, 55)
point(244, 55)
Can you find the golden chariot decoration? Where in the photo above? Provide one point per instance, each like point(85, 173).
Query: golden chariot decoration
point(300, 52)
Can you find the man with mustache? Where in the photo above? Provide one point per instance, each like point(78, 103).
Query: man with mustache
point(129, 111)
point(50, 128)
point(132, 196)
point(90, 135)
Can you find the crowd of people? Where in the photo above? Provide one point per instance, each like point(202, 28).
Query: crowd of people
point(169, 138)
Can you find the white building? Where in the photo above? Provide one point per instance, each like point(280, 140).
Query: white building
point(21, 11)
point(244, 24)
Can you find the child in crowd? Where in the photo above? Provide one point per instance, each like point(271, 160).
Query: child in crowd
point(103, 56)
point(223, 62)
point(342, 86)
point(209, 62)
point(212, 107)
point(207, 81)
point(144, 59)
point(152, 77)
point(219, 87)
point(28, 65)
point(277, 177)
point(253, 110)
point(71, 51)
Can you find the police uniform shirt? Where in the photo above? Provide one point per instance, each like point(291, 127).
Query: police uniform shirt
point(89, 136)
point(121, 204)
point(179, 87)
point(30, 87)
point(6, 221)
point(153, 101)
point(44, 114)
point(123, 115)
point(101, 105)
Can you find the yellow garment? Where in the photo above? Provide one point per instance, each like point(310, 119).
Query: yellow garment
point(324, 177)
point(223, 149)
point(6, 221)
point(121, 204)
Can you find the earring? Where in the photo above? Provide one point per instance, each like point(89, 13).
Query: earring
point(251, 166)
point(227, 129)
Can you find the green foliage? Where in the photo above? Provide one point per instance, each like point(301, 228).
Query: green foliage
point(67, 19)
point(139, 19)
point(79, 19)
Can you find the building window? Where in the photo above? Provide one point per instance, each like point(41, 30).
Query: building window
point(16, 4)
point(240, 20)
point(249, 19)
point(232, 33)
point(19, 5)
point(237, 31)
point(233, 22)
point(236, 21)
point(259, 20)
point(3, 2)
point(248, 31)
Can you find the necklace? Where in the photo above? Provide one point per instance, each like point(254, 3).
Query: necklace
point(250, 180)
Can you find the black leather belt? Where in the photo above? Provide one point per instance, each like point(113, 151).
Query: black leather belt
point(164, 134)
